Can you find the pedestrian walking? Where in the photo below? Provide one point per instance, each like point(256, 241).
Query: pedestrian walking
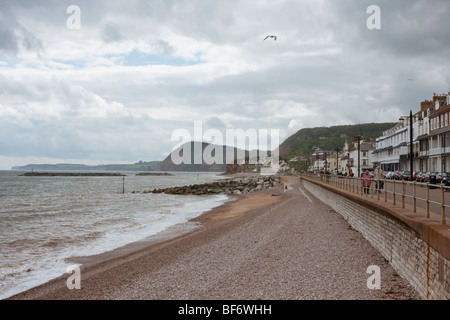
point(367, 179)
point(378, 176)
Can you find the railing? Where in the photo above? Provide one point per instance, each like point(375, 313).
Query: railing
point(435, 151)
point(438, 150)
point(431, 197)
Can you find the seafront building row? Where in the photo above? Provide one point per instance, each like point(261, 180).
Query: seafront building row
point(430, 139)
point(430, 128)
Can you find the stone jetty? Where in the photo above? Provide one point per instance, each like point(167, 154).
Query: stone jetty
point(226, 186)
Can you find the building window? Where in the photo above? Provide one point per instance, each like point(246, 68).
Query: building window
point(446, 119)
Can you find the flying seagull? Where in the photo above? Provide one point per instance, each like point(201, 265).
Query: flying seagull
point(274, 37)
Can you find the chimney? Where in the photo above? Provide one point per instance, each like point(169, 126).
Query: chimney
point(424, 105)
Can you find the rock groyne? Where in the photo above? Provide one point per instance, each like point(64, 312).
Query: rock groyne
point(226, 186)
point(154, 174)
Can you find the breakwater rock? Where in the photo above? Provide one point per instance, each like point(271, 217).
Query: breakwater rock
point(228, 186)
point(154, 174)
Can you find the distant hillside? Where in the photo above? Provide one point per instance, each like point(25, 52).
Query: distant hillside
point(139, 166)
point(168, 165)
point(305, 140)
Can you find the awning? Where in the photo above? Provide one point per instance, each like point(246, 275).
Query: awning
point(403, 144)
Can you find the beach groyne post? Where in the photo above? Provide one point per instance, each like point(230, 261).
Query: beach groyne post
point(123, 185)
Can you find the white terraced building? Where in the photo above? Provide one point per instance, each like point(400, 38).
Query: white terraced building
point(392, 146)
point(431, 139)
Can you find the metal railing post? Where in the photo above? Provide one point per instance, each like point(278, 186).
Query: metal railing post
point(428, 200)
point(403, 194)
point(414, 195)
point(443, 205)
point(393, 194)
point(385, 192)
point(370, 189)
point(378, 189)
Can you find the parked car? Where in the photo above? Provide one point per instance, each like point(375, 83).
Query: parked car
point(430, 177)
point(443, 177)
point(390, 175)
point(446, 180)
point(423, 177)
point(398, 175)
point(419, 176)
point(406, 175)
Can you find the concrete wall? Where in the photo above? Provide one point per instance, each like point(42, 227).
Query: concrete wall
point(414, 259)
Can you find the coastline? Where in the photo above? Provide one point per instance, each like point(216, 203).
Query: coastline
point(235, 206)
point(257, 246)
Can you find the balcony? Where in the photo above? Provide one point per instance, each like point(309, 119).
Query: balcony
point(434, 151)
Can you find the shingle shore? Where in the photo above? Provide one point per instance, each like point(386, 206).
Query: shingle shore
point(258, 247)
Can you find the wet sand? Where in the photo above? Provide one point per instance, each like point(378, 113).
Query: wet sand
point(258, 246)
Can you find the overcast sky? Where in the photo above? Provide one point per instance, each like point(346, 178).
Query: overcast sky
point(116, 88)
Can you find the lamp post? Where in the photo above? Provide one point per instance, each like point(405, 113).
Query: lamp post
point(411, 157)
point(411, 143)
point(337, 161)
point(358, 138)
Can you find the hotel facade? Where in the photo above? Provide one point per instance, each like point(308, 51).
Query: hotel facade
point(430, 139)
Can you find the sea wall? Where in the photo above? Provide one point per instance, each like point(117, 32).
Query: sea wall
point(419, 252)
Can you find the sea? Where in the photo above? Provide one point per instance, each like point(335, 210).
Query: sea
point(44, 221)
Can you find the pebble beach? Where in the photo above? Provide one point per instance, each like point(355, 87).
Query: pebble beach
point(278, 244)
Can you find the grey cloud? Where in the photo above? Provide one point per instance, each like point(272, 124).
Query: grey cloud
point(215, 123)
point(408, 28)
point(8, 43)
point(111, 33)
point(14, 37)
point(325, 60)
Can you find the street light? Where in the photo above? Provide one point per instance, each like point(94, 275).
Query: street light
point(411, 158)
point(337, 161)
point(358, 138)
